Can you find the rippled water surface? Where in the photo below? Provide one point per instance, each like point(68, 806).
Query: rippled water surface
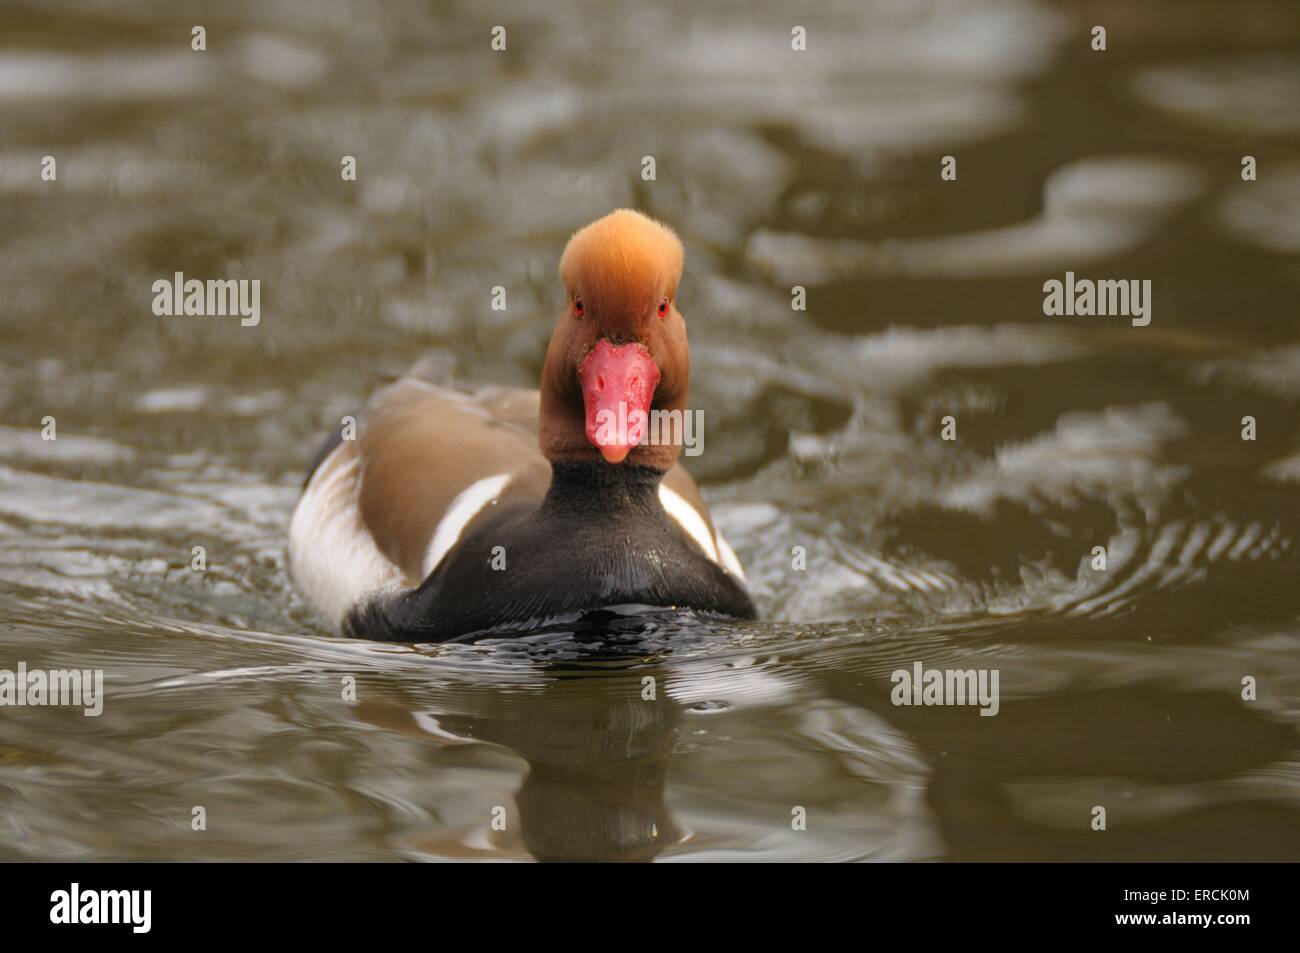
point(1120, 688)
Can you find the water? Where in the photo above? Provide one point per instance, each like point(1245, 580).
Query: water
point(1119, 688)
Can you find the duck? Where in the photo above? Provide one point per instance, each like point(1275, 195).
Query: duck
point(453, 512)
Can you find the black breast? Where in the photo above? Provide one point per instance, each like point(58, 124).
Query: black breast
point(600, 538)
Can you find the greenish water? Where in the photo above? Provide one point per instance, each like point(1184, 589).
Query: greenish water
point(1119, 688)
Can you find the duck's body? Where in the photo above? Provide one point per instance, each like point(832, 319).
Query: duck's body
point(453, 513)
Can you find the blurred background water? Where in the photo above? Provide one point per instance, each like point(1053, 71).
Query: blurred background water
point(1119, 688)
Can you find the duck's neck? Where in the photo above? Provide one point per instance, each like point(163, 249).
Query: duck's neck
point(598, 488)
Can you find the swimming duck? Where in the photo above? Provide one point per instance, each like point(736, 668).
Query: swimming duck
point(456, 512)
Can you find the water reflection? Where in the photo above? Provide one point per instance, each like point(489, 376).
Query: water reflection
point(597, 745)
point(597, 760)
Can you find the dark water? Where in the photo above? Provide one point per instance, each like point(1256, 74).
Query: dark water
point(1119, 688)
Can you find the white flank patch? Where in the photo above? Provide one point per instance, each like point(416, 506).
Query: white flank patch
point(467, 505)
point(729, 560)
point(332, 556)
point(689, 519)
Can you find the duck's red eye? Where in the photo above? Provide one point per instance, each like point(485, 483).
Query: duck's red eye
point(579, 309)
point(663, 308)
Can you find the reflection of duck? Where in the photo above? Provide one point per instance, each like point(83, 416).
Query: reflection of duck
point(597, 754)
point(445, 518)
point(710, 752)
point(595, 784)
point(597, 759)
